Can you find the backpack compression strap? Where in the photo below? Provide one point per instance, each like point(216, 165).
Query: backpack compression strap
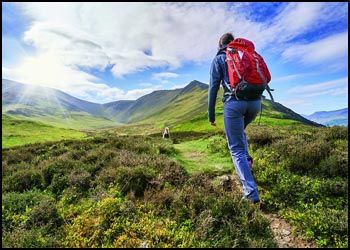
point(269, 91)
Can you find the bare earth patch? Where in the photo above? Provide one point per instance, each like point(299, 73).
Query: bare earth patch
point(284, 233)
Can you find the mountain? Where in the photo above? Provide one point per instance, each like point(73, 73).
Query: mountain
point(51, 106)
point(159, 108)
point(330, 118)
point(286, 113)
point(162, 106)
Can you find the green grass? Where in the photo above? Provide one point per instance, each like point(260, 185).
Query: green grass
point(183, 108)
point(197, 156)
point(266, 120)
point(117, 191)
point(73, 120)
point(17, 132)
point(200, 123)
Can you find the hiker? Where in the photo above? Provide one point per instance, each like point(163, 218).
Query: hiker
point(166, 133)
point(238, 113)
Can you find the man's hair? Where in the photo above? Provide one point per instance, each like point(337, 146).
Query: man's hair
point(226, 39)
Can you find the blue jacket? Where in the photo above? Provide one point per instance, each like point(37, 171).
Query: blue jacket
point(218, 75)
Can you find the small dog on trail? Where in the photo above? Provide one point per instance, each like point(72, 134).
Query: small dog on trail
point(166, 133)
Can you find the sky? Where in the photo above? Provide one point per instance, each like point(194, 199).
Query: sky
point(108, 51)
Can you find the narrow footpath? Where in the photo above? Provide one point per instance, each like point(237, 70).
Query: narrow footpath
point(282, 230)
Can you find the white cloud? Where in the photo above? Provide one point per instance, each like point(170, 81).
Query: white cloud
point(298, 18)
point(48, 70)
point(331, 51)
point(297, 102)
point(334, 87)
point(136, 93)
point(132, 37)
point(288, 78)
point(163, 76)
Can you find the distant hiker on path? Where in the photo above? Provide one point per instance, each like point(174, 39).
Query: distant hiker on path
point(166, 133)
point(238, 113)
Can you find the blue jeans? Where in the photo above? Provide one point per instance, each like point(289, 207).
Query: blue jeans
point(237, 115)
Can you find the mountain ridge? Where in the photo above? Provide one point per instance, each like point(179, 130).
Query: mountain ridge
point(160, 107)
point(330, 118)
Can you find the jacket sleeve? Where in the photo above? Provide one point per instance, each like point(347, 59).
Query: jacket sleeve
point(214, 84)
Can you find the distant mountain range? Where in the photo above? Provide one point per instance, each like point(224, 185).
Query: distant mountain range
point(159, 107)
point(330, 118)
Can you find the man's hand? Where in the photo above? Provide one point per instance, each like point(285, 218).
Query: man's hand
point(213, 123)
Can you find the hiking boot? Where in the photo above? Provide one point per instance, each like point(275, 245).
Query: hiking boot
point(250, 161)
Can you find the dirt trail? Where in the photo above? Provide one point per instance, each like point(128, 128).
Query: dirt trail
point(284, 235)
point(282, 230)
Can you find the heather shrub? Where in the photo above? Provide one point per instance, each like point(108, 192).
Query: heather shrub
point(75, 154)
point(228, 211)
point(336, 164)
point(71, 195)
point(305, 172)
point(304, 156)
point(134, 179)
point(58, 184)
point(333, 133)
point(44, 214)
point(55, 150)
point(174, 174)
point(79, 179)
point(16, 155)
point(161, 196)
point(260, 136)
point(338, 188)
point(22, 180)
point(36, 237)
point(327, 226)
point(29, 219)
point(14, 204)
point(61, 167)
point(106, 177)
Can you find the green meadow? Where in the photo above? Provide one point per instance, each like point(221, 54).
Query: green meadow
point(128, 187)
point(16, 132)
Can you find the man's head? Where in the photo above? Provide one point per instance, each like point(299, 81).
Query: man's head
point(225, 39)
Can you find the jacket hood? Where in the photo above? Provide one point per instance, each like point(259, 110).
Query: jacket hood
point(221, 49)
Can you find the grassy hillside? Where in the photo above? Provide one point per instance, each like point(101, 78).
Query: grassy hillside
point(16, 132)
point(119, 192)
point(181, 109)
point(71, 120)
point(149, 105)
point(52, 107)
point(181, 118)
point(140, 191)
point(268, 116)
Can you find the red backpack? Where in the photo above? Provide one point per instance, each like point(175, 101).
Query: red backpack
point(248, 73)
